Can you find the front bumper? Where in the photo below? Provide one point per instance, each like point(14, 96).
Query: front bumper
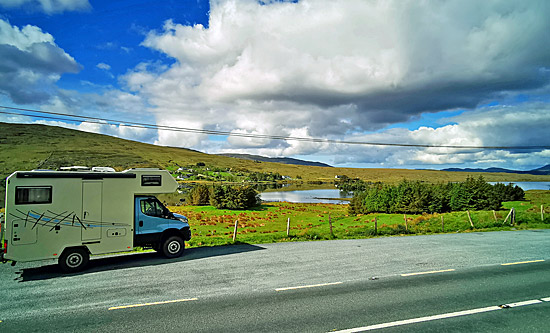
point(186, 234)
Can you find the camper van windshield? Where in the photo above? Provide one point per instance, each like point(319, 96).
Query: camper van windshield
point(153, 207)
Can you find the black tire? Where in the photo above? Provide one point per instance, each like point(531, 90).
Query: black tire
point(73, 260)
point(173, 247)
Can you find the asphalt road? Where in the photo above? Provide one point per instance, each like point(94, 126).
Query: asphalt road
point(296, 287)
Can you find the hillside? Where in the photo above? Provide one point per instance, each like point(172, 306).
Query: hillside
point(27, 147)
point(545, 170)
point(284, 160)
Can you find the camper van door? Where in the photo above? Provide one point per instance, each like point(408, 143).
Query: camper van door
point(91, 210)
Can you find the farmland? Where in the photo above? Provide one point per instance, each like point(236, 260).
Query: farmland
point(268, 223)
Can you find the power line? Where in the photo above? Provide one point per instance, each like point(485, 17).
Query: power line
point(96, 120)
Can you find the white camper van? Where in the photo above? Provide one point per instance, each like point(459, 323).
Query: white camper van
point(69, 215)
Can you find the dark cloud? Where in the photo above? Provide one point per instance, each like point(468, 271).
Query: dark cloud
point(29, 76)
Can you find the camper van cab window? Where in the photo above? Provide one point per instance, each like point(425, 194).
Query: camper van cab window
point(33, 195)
point(150, 180)
point(152, 207)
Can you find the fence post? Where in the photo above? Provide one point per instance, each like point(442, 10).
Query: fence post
point(507, 216)
point(442, 224)
point(495, 216)
point(513, 219)
point(542, 213)
point(330, 224)
point(470, 218)
point(235, 231)
point(376, 226)
point(406, 226)
point(288, 227)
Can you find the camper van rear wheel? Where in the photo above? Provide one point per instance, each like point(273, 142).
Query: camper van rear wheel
point(173, 247)
point(73, 260)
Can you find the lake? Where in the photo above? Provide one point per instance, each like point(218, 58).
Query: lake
point(307, 196)
point(526, 186)
point(334, 195)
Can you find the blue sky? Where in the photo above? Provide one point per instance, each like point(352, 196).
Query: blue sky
point(439, 73)
point(109, 32)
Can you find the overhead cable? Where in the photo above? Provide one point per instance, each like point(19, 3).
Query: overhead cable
point(96, 120)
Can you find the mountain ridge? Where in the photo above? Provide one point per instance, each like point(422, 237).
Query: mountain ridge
point(544, 170)
point(284, 160)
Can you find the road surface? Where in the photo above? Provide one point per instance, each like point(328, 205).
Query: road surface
point(498, 281)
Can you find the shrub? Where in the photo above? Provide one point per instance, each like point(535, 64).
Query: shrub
point(234, 197)
point(418, 197)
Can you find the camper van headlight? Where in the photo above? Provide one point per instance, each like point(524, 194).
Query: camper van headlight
point(181, 218)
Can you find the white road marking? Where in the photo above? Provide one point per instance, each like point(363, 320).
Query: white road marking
point(153, 303)
point(429, 272)
point(309, 286)
point(521, 262)
point(531, 302)
point(443, 316)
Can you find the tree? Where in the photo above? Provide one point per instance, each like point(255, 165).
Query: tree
point(234, 197)
point(199, 195)
point(417, 197)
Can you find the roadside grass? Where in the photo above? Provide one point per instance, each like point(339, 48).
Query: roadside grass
point(267, 223)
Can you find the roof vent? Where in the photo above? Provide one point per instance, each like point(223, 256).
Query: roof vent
point(75, 168)
point(103, 169)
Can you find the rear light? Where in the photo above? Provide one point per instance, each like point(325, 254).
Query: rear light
point(5, 246)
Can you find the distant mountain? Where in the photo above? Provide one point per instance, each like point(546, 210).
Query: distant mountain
point(284, 160)
point(545, 170)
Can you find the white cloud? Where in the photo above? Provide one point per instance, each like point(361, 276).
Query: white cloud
point(31, 63)
point(519, 125)
point(337, 69)
point(367, 53)
point(48, 6)
point(103, 66)
point(333, 68)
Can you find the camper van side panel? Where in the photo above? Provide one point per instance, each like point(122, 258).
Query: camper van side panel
point(42, 217)
point(117, 216)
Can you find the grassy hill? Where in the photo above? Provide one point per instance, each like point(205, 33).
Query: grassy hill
point(27, 147)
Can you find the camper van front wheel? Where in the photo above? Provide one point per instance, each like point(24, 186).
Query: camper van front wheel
point(73, 260)
point(173, 247)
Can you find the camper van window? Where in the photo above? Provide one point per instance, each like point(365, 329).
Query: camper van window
point(33, 195)
point(152, 207)
point(151, 180)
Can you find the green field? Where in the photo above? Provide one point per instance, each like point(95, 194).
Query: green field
point(268, 223)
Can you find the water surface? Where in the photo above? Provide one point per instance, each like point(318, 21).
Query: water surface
point(526, 186)
point(307, 196)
